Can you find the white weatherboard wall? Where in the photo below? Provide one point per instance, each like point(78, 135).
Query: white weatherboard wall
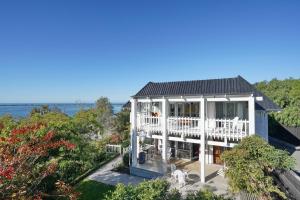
point(261, 124)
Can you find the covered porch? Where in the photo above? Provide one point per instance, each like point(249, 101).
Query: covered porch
point(213, 172)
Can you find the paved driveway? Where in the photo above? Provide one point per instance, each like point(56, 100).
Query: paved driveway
point(107, 176)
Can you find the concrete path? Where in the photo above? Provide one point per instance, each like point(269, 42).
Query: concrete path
point(105, 175)
point(214, 183)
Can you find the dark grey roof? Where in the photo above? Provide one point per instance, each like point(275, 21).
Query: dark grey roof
point(229, 86)
point(127, 105)
point(267, 104)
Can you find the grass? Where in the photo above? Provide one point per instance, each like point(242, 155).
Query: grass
point(93, 190)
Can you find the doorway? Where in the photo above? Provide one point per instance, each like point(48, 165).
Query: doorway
point(195, 155)
point(217, 151)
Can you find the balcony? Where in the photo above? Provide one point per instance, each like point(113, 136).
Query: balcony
point(189, 126)
point(149, 124)
point(228, 129)
point(233, 129)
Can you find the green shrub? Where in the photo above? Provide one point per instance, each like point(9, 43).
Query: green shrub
point(69, 169)
point(250, 165)
point(174, 194)
point(152, 190)
point(204, 195)
point(286, 94)
point(156, 190)
point(125, 143)
point(126, 159)
point(148, 190)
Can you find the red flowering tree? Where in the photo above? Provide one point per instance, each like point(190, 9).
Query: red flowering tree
point(25, 164)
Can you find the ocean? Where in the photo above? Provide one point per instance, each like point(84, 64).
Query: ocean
point(22, 110)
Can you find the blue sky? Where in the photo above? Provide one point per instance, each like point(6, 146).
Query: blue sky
point(67, 51)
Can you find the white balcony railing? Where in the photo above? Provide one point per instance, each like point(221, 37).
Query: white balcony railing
point(149, 124)
point(229, 129)
point(233, 129)
point(188, 126)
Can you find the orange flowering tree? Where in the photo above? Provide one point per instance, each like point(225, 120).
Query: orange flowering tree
point(25, 164)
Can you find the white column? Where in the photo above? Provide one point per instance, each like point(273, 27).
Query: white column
point(165, 110)
point(133, 133)
point(251, 113)
point(202, 141)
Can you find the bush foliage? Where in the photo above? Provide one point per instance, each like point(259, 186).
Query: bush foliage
point(251, 164)
point(156, 190)
point(26, 164)
point(77, 130)
point(286, 94)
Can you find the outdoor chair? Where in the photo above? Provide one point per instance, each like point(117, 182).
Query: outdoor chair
point(180, 177)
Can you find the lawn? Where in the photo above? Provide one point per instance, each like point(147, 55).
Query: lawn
point(93, 190)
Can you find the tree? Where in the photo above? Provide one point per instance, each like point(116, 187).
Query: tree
point(25, 164)
point(122, 124)
point(285, 93)
point(86, 121)
point(104, 111)
point(7, 123)
point(251, 164)
point(43, 110)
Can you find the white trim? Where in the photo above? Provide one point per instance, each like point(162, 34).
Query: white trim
point(189, 140)
point(228, 99)
point(157, 137)
point(197, 141)
point(193, 99)
point(176, 100)
point(149, 100)
point(221, 144)
point(259, 98)
point(198, 98)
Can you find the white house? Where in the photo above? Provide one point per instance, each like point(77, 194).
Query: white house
point(195, 120)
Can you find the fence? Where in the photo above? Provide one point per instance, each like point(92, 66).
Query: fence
point(116, 148)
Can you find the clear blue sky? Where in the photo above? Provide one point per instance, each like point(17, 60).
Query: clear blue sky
point(67, 51)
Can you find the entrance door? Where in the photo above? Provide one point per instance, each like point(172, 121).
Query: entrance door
point(217, 151)
point(195, 151)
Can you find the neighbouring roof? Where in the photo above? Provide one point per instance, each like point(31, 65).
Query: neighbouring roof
point(127, 105)
point(225, 86)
